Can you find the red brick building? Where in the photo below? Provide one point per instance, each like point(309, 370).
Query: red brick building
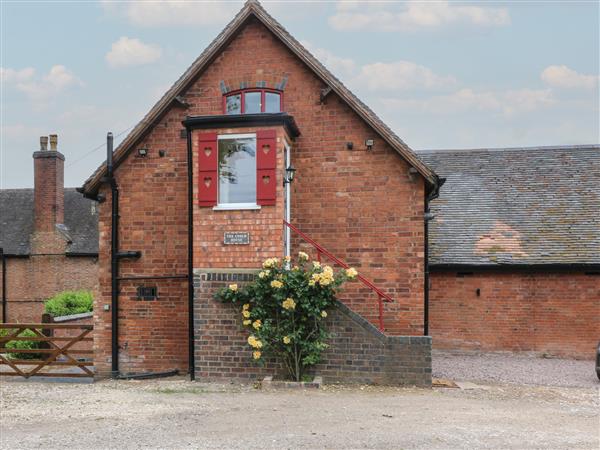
point(359, 191)
point(196, 197)
point(48, 239)
point(515, 250)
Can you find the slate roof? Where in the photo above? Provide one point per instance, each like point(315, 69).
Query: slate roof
point(252, 8)
point(532, 206)
point(16, 222)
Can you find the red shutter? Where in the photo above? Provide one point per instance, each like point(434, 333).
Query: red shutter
point(207, 169)
point(266, 165)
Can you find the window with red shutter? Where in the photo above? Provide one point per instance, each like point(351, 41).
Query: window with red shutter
point(266, 165)
point(207, 169)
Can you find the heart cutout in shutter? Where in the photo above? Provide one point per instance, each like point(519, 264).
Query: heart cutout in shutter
point(266, 179)
point(207, 181)
point(266, 149)
point(207, 151)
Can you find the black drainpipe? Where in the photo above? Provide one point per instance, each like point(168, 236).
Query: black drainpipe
point(114, 260)
point(191, 346)
point(3, 258)
point(427, 217)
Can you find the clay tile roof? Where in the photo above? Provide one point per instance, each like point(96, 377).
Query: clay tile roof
point(16, 222)
point(532, 206)
point(252, 8)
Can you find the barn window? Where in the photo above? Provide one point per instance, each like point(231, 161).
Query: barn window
point(253, 101)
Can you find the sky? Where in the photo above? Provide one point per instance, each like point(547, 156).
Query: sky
point(440, 74)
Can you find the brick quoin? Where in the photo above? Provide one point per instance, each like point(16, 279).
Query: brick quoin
point(363, 206)
point(551, 313)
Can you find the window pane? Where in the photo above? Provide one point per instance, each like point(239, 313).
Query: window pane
point(234, 104)
point(252, 102)
point(237, 170)
point(272, 102)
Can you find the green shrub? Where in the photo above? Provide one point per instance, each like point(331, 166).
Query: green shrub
point(22, 345)
point(69, 302)
point(285, 308)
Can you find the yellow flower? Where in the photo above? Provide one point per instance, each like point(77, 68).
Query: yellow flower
point(261, 274)
point(289, 303)
point(233, 287)
point(328, 270)
point(316, 264)
point(295, 268)
point(323, 314)
point(302, 255)
point(351, 273)
point(256, 354)
point(276, 284)
point(246, 306)
point(257, 324)
point(311, 283)
point(286, 340)
point(287, 259)
point(325, 281)
point(246, 313)
point(247, 322)
point(270, 262)
point(253, 342)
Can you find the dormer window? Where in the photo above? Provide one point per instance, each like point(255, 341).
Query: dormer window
point(253, 101)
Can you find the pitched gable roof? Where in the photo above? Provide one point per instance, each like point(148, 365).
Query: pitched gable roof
point(253, 9)
point(16, 222)
point(516, 206)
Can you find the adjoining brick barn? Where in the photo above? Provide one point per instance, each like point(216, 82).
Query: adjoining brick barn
point(255, 135)
point(48, 239)
point(515, 250)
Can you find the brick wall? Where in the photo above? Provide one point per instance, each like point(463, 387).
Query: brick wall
point(553, 313)
point(358, 352)
point(264, 225)
point(363, 206)
point(31, 281)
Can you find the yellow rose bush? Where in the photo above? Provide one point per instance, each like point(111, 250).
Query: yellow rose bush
point(284, 309)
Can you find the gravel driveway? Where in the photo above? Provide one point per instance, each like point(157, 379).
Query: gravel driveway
point(178, 414)
point(511, 368)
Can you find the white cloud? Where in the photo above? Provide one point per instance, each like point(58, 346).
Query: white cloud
point(400, 76)
point(379, 76)
point(508, 103)
point(127, 52)
point(413, 16)
point(40, 90)
point(8, 75)
point(165, 13)
point(339, 66)
point(20, 131)
point(564, 77)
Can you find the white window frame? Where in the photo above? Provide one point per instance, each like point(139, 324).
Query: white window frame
point(234, 206)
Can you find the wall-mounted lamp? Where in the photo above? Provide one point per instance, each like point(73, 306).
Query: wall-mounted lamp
point(369, 144)
point(142, 152)
point(290, 171)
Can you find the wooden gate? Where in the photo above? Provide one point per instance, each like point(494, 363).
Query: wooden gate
point(57, 350)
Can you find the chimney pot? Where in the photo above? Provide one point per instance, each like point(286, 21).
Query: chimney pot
point(43, 143)
point(53, 141)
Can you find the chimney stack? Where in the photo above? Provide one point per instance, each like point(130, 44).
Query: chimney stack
point(49, 191)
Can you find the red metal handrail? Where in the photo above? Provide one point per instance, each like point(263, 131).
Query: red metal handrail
point(381, 296)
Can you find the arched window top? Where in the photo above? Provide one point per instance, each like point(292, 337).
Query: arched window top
point(253, 101)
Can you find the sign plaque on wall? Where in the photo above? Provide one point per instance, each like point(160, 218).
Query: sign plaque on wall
point(236, 238)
